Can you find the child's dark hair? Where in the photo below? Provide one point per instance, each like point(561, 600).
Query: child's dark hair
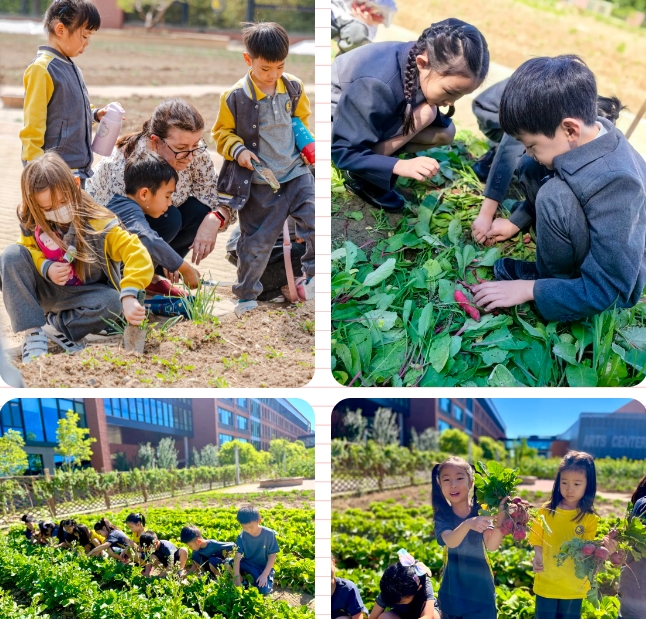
point(453, 47)
point(136, 518)
point(169, 114)
point(441, 506)
point(189, 533)
point(73, 14)
point(398, 581)
point(544, 91)
point(148, 539)
point(28, 518)
point(149, 170)
point(266, 40)
point(609, 108)
point(104, 523)
point(248, 514)
point(576, 461)
point(46, 527)
point(70, 522)
point(640, 491)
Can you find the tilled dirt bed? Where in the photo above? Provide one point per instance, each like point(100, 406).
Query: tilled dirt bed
point(272, 346)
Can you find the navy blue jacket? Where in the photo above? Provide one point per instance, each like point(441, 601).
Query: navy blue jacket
point(368, 107)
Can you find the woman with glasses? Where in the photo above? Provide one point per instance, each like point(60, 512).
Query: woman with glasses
point(193, 221)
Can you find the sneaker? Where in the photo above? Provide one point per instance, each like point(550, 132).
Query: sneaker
point(389, 201)
point(482, 167)
point(52, 333)
point(242, 307)
point(167, 306)
point(508, 269)
point(34, 344)
point(163, 287)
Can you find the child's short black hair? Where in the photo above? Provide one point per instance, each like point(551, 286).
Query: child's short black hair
point(248, 514)
point(398, 581)
point(136, 519)
point(147, 169)
point(46, 528)
point(28, 518)
point(266, 40)
point(70, 522)
point(543, 91)
point(609, 108)
point(73, 14)
point(189, 533)
point(147, 539)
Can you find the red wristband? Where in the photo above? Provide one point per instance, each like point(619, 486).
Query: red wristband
point(220, 216)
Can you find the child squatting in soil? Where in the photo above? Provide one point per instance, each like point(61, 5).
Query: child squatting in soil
point(254, 123)
point(57, 110)
point(346, 599)
point(590, 212)
point(156, 552)
point(385, 100)
point(208, 554)
point(467, 590)
point(42, 297)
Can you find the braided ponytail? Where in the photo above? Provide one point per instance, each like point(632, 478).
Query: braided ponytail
point(453, 47)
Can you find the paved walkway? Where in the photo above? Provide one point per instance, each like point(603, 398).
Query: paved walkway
point(546, 485)
point(308, 484)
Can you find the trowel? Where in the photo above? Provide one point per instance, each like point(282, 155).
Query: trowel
point(134, 338)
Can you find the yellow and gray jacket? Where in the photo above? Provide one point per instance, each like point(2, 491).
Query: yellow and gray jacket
point(250, 119)
point(58, 114)
point(122, 258)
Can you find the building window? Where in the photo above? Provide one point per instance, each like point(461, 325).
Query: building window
point(457, 412)
point(242, 440)
point(242, 422)
point(442, 425)
point(33, 422)
point(445, 405)
point(469, 422)
point(241, 403)
point(225, 417)
point(469, 405)
point(224, 438)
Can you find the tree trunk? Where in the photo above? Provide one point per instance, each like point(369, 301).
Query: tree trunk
point(106, 497)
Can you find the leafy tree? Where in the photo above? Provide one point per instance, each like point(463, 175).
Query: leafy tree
point(13, 458)
point(492, 449)
point(207, 457)
point(120, 462)
point(522, 450)
point(167, 454)
point(74, 443)
point(247, 453)
point(385, 429)
point(146, 456)
point(455, 442)
point(356, 427)
point(428, 440)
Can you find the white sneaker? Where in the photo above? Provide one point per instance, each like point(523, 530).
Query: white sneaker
point(242, 307)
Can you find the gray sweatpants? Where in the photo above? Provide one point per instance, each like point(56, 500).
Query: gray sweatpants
point(28, 296)
point(261, 221)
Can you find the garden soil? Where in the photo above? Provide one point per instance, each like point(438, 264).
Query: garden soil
point(272, 346)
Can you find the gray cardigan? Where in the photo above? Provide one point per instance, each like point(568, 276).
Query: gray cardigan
point(607, 178)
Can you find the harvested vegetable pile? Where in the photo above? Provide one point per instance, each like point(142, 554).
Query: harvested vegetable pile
point(403, 314)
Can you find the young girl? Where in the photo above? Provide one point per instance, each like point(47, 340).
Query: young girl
point(116, 541)
point(71, 532)
point(30, 527)
point(385, 98)
point(111, 264)
point(137, 525)
point(632, 582)
point(346, 599)
point(57, 109)
point(161, 553)
point(569, 514)
point(467, 588)
point(46, 532)
point(408, 595)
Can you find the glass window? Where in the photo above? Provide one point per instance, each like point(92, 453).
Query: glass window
point(225, 417)
point(445, 405)
point(469, 405)
point(242, 422)
point(147, 416)
point(33, 422)
point(50, 417)
point(442, 425)
point(457, 412)
point(224, 438)
point(64, 406)
point(116, 407)
point(469, 424)
point(140, 410)
point(132, 409)
point(79, 409)
point(242, 440)
point(241, 402)
point(107, 406)
point(35, 464)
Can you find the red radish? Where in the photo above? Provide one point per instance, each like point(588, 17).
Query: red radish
point(589, 549)
point(507, 527)
point(613, 533)
point(463, 302)
point(519, 534)
point(602, 553)
point(618, 557)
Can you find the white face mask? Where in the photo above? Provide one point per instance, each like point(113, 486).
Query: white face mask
point(61, 215)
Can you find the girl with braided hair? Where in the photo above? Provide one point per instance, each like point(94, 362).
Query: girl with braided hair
point(385, 100)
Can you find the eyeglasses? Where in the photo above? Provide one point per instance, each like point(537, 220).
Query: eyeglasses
point(183, 154)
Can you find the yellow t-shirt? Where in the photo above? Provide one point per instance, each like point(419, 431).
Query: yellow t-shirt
point(560, 582)
point(135, 537)
point(98, 537)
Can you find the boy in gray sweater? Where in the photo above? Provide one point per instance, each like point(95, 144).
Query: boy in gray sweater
point(586, 191)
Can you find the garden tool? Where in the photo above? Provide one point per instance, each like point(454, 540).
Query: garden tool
point(134, 338)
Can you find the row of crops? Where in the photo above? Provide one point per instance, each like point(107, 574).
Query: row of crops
point(44, 582)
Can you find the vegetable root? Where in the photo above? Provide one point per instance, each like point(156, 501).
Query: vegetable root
point(463, 302)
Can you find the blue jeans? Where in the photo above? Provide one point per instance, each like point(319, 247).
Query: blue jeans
point(551, 608)
point(204, 562)
point(249, 568)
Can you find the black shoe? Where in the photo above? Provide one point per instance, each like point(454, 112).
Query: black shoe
point(482, 167)
point(508, 269)
point(389, 201)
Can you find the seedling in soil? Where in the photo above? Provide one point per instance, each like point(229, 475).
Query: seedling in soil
point(272, 353)
point(238, 363)
point(219, 381)
point(308, 326)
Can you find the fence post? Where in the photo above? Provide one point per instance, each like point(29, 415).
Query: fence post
point(251, 9)
point(237, 468)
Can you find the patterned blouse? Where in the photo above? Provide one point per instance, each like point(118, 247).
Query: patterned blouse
point(199, 179)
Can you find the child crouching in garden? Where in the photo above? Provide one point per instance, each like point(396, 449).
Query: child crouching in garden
point(73, 266)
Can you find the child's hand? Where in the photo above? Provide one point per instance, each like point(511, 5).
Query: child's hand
point(419, 168)
point(237, 580)
point(501, 230)
point(59, 272)
point(501, 515)
point(262, 580)
point(191, 276)
point(305, 160)
point(480, 523)
point(483, 221)
point(245, 157)
point(610, 544)
point(492, 295)
point(133, 311)
point(537, 562)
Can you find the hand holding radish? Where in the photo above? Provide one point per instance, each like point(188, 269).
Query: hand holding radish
point(501, 230)
point(492, 295)
point(419, 168)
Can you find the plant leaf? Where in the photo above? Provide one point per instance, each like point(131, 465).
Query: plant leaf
point(580, 376)
point(383, 272)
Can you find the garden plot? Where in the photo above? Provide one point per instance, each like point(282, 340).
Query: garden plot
point(396, 285)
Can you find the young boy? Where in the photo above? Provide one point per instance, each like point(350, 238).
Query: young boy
point(150, 182)
point(161, 552)
point(206, 552)
point(255, 124)
point(256, 553)
point(586, 188)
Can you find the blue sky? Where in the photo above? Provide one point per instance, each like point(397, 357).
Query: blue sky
point(304, 408)
point(548, 416)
